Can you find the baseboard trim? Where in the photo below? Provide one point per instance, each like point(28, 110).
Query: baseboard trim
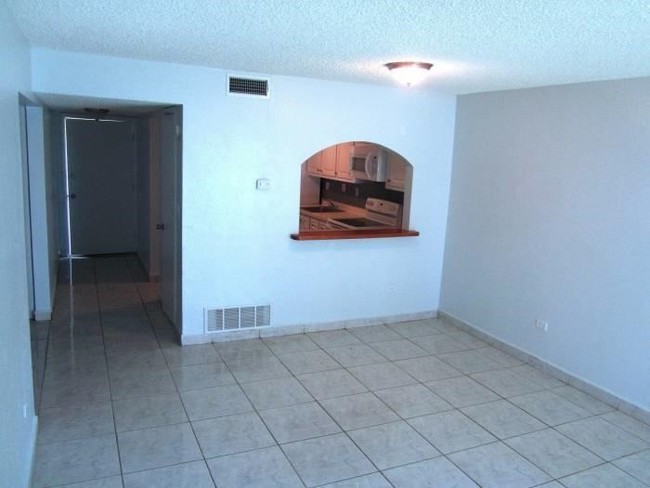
point(280, 330)
point(577, 382)
point(32, 461)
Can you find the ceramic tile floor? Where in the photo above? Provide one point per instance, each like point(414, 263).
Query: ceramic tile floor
point(407, 405)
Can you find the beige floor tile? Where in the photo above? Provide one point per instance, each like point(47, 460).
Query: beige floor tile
point(462, 391)
point(186, 475)
point(68, 423)
point(327, 459)
point(357, 411)
point(157, 447)
point(413, 401)
point(406, 445)
point(330, 384)
point(602, 438)
point(146, 412)
point(275, 393)
point(434, 472)
point(497, 466)
point(264, 468)
point(554, 453)
point(503, 419)
point(605, 475)
point(381, 376)
point(451, 431)
point(219, 401)
point(233, 434)
point(78, 460)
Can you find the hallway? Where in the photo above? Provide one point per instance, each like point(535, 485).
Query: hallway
point(407, 405)
point(107, 370)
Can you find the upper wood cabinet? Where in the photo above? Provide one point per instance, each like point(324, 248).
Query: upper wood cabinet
point(332, 162)
point(314, 164)
point(398, 172)
point(343, 162)
point(328, 161)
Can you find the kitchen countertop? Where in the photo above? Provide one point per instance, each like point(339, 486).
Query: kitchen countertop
point(323, 235)
point(345, 211)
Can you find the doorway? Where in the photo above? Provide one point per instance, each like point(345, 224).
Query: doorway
point(122, 189)
point(101, 186)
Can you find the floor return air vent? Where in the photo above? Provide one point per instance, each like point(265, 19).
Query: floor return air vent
point(234, 318)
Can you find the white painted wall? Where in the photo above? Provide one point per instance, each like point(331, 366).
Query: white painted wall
point(17, 431)
point(550, 218)
point(43, 205)
point(236, 247)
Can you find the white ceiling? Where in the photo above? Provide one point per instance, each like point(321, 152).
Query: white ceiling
point(476, 45)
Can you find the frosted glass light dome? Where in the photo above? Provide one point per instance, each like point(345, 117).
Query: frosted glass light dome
point(409, 72)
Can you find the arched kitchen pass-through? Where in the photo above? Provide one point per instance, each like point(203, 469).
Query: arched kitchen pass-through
point(355, 189)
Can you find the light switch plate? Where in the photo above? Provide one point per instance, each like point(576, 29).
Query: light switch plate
point(263, 184)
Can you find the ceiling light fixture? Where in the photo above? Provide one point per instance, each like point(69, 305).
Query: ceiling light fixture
point(409, 72)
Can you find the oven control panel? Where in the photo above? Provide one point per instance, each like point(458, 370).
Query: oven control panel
point(383, 207)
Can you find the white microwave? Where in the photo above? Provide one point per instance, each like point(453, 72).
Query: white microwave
point(368, 162)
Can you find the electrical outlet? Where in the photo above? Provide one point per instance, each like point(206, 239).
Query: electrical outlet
point(542, 325)
point(343, 187)
point(356, 192)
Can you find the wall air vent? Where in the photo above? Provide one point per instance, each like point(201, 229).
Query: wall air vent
point(234, 318)
point(253, 87)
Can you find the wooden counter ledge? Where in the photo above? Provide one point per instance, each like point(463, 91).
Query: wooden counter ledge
point(330, 235)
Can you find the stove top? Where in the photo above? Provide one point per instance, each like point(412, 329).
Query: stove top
point(361, 223)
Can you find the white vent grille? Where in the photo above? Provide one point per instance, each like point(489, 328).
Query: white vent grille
point(214, 320)
point(233, 318)
point(253, 87)
point(247, 317)
point(263, 315)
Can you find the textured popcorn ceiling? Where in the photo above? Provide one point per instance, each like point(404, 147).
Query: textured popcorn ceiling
point(476, 45)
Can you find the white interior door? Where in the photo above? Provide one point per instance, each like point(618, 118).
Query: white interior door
point(101, 186)
point(27, 210)
point(170, 214)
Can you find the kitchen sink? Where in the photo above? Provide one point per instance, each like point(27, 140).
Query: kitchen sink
point(321, 209)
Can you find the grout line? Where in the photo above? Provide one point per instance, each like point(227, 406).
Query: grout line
point(178, 393)
point(256, 411)
point(342, 430)
point(323, 348)
point(108, 375)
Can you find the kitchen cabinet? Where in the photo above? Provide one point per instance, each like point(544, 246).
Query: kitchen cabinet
point(332, 163)
point(328, 161)
point(343, 162)
point(398, 173)
point(315, 165)
point(304, 222)
point(312, 223)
